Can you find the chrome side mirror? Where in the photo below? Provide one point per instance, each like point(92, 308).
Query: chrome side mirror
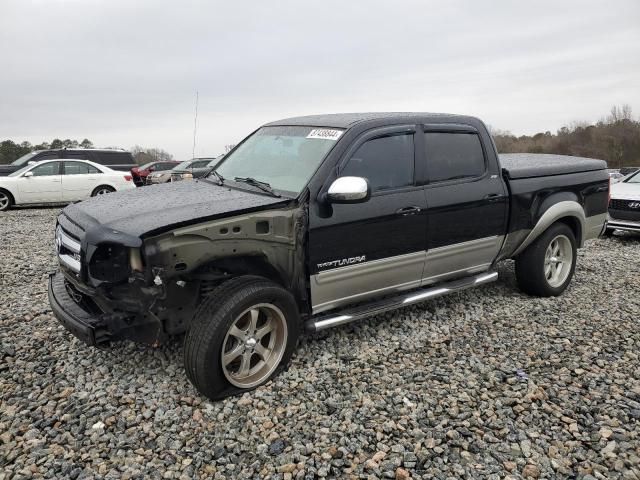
point(28, 174)
point(349, 190)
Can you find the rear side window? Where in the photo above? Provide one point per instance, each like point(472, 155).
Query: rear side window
point(114, 158)
point(164, 166)
point(452, 156)
point(79, 168)
point(386, 162)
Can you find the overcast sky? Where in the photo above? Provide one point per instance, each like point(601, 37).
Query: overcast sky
point(124, 72)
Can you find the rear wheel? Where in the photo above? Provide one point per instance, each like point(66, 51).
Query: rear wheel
point(546, 267)
point(102, 190)
point(242, 334)
point(6, 200)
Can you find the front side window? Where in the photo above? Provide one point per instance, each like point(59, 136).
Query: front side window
point(23, 160)
point(79, 168)
point(284, 157)
point(76, 155)
point(50, 168)
point(452, 156)
point(386, 162)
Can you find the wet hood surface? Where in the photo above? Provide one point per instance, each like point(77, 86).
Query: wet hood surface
point(156, 208)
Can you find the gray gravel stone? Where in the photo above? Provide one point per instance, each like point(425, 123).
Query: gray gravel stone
point(487, 383)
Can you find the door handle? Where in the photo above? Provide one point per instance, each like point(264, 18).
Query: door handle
point(412, 210)
point(494, 197)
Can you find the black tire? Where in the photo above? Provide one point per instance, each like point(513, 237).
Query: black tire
point(608, 232)
point(530, 264)
point(213, 320)
point(102, 189)
point(6, 200)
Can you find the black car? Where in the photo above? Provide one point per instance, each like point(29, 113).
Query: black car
point(112, 158)
point(314, 222)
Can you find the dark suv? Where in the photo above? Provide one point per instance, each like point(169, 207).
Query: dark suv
point(112, 158)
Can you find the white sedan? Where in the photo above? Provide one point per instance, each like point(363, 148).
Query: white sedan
point(60, 181)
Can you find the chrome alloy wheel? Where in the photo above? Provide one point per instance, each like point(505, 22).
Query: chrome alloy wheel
point(558, 260)
point(254, 345)
point(4, 201)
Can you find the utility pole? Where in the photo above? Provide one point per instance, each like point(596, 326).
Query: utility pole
point(195, 125)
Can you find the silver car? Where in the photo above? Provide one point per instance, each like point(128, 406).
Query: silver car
point(624, 206)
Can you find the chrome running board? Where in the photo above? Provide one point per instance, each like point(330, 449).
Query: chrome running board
point(347, 315)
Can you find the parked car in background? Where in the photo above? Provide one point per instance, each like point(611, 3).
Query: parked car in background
point(60, 181)
point(112, 158)
point(629, 170)
point(141, 173)
point(624, 205)
point(198, 169)
point(182, 167)
point(615, 175)
point(314, 222)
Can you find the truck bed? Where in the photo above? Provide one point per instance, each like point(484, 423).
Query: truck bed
point(531, 165)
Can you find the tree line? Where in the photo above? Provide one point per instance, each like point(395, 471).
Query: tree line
point(614, 138)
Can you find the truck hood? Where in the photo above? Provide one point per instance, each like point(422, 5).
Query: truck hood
point(625, 191)
point(156, 208)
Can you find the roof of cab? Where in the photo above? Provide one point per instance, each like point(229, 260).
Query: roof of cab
point(347, 120)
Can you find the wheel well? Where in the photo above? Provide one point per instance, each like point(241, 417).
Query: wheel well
point(13, 200)
point(246, 265)
point(574, 224)
point(102, 186)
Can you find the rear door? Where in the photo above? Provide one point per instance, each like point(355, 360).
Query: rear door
point(44, 186)
point(78, 180)
point(467, 203)
point(369, 249)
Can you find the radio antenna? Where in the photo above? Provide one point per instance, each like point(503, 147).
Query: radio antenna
point(195, 125)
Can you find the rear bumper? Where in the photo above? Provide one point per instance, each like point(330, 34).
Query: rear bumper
point(74, 318)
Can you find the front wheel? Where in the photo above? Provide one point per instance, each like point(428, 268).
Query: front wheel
point(241, 335)
point(5, 201)
point(546, 267)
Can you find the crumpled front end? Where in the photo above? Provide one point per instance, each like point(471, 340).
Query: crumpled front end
point(103, 292)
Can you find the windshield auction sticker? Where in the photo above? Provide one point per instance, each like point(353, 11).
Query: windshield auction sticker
point(325, 134)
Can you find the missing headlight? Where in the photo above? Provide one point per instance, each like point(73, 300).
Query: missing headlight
point(110, 263)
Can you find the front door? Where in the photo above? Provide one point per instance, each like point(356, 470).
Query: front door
point(467, 205)
point(366, 250)
point(43, 186)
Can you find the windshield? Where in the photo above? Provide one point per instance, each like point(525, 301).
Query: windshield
point(21, 171)
point(182, 166)
point(635, 178)
point(284, 157)
point(24, 159)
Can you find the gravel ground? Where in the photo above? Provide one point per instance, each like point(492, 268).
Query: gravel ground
point(487, 383)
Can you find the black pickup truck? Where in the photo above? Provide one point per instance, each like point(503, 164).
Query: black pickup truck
point(313, 222)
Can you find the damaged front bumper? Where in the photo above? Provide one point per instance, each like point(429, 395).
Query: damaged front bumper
point(93, 326)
